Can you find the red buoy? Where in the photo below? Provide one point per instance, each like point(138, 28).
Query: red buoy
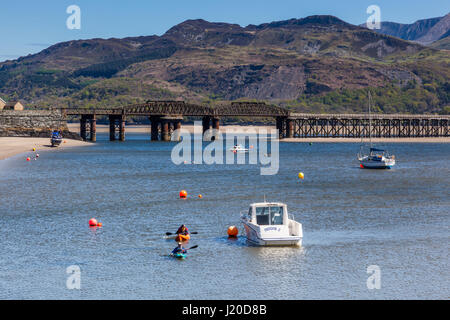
point(93, 222)
point(28, 159)
point(183, 194)
point(232, 232)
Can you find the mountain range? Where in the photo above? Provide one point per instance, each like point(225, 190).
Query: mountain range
point(314, 64)
point(424, 31)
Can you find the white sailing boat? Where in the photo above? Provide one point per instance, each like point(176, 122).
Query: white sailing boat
point(376, 158)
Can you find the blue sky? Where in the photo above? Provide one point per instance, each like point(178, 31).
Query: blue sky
point(29, 26)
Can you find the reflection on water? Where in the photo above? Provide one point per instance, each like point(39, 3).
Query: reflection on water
point(351, 218)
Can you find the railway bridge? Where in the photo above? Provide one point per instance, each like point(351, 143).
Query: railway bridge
point(166, 116)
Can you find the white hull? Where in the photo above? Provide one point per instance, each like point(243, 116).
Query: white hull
point(382, 164)
point(276, 236)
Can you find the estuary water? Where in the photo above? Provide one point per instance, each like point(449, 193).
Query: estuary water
point(396, 219)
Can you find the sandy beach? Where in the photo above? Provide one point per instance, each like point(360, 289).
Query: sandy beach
point(10, 146)
point(75, 127)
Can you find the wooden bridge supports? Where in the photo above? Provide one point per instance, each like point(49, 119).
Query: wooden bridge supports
point(117, 127)
point(88, 127)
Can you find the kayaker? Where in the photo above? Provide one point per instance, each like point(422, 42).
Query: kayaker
point(183, 230)
point(179, 249)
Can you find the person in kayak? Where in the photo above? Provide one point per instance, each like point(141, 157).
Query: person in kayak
point(183, 230)
point(179, 249)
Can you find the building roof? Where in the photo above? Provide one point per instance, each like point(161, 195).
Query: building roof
point(11, 103)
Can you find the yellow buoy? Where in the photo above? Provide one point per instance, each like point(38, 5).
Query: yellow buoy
point(301, 175)
point(34, 149)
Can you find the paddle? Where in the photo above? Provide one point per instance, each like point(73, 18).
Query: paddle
point(170, 233)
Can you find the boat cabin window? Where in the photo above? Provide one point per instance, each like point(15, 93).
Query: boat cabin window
point(269, 216)
point(276, 215)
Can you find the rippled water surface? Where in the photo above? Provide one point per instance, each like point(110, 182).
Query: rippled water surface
point(352, 218)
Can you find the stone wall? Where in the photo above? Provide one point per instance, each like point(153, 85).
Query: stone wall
point(33, 123)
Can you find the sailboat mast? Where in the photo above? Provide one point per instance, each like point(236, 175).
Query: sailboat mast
point(370, 121)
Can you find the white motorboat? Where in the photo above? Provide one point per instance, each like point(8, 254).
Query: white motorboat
point(268, 224)
point(377, 158)
point(238, 148)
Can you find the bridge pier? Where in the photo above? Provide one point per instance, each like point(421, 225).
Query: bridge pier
point(165, 136)
point(289, 128)
point(154, 123)
point(176, 126)
point(88, 127)
point(93, 128)
point(122, 128)
point(281, 126)
point(83, 127)
point(117, 127)
point(206, 123)
point(215, 126)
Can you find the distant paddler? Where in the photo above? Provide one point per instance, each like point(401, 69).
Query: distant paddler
point(180, 252)
point(181, 235)
point(179, 249)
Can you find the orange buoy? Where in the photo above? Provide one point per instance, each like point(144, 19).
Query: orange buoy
point(361, 166)
point(232, 231)
point(183, 194)
point(200, 196)
point(99, 224)
point(93, 222)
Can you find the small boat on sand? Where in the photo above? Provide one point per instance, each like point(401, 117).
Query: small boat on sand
point(56, 138)
point(268, 224)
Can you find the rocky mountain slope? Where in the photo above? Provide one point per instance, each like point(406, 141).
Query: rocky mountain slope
point(424, 31)
point(315, 64)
